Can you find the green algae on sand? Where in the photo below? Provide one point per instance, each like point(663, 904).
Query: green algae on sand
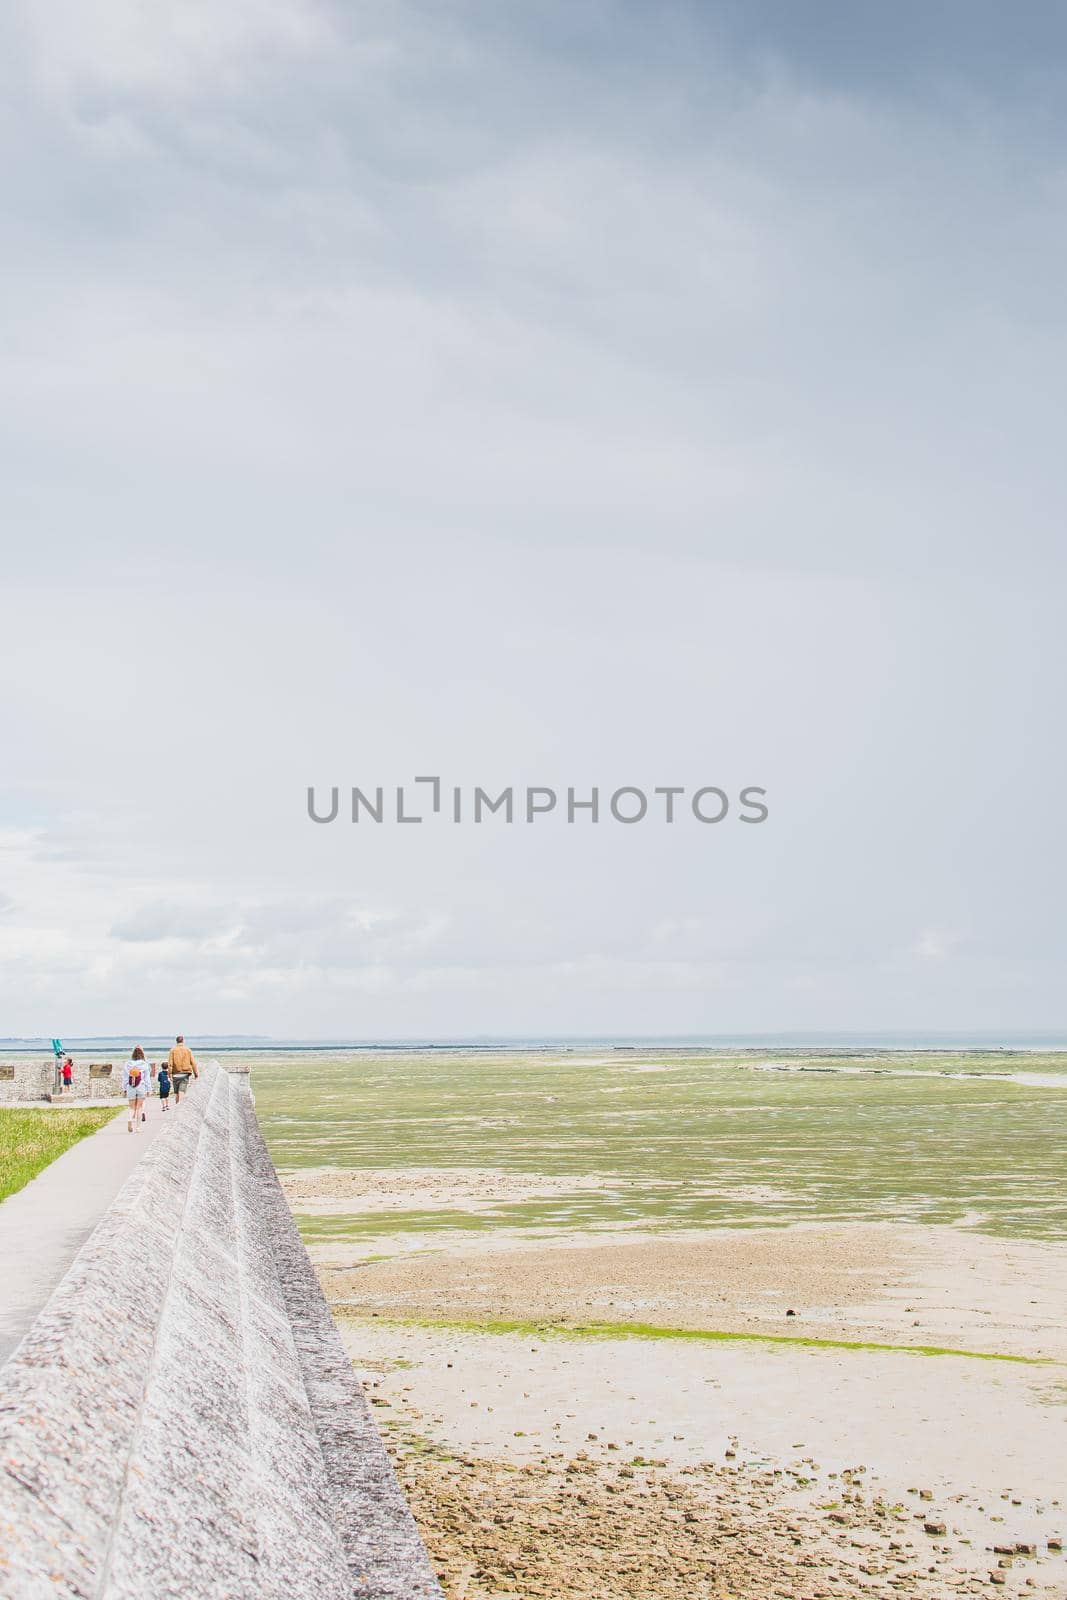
point(646, 1330)
point(688, 1139)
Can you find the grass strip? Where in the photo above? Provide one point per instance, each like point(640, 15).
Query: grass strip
point(647, 1330)
point(30, 1140)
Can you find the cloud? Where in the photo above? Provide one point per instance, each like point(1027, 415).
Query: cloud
point(531, 394)
point(933, 945)
point(719, 308)
point(153, 922)
point(183, 51)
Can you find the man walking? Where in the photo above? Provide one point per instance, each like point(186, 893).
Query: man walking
point(181, 1063)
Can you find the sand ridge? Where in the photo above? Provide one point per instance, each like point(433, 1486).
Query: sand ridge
point(884, 1283)
point(366, 1191)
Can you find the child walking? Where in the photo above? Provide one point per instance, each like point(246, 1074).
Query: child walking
point(164, 1085)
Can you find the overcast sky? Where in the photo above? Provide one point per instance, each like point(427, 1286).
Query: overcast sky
point(532, 393)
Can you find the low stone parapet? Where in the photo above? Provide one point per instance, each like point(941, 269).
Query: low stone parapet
point(23, 1080)
point(181, 1421)
point(26, 1080)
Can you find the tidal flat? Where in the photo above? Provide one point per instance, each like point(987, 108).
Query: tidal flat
point(714, 1280)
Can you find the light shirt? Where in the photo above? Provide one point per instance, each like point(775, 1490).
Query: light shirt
point(146, 1077)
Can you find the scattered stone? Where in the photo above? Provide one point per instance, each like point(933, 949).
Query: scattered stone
point(718, 1532)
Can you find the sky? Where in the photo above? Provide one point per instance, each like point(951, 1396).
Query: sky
point(531, 394)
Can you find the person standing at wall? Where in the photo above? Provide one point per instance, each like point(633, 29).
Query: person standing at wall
point(181, 1063)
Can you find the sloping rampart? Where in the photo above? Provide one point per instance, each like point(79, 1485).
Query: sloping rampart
point(182, 1421)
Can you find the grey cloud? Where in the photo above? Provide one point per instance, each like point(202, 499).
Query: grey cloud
point(552, 394)
point(769, 328)
point(334, 933)
point(912, 48)
point(152, 923)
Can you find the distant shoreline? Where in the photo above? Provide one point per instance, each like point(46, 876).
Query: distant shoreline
point(829, 1042)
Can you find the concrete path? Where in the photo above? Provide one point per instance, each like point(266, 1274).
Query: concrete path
point(44, 1225)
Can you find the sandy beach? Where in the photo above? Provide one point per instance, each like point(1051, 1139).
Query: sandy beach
point(535, 1425)
point(644, 1328)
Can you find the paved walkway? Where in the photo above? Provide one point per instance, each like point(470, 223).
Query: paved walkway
point(44, 1225)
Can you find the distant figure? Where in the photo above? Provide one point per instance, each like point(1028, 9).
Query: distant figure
point(135, 1084)
point(68, 1075)
point(164, 1085)
point(181, 1063)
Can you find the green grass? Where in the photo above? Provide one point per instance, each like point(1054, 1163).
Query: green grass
point(646, 1330)
point(702, 1141)
point(31, 1139)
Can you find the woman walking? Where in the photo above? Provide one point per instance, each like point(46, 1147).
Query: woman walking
point(135, 1084)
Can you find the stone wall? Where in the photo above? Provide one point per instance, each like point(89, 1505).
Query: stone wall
point(35, 1080)
point(181, 1422)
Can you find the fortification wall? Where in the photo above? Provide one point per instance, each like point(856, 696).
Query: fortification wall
point(35, 1080)
point(182, 1422)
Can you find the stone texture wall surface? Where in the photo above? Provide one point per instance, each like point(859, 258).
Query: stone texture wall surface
point(36, 1080)
point(28, 1080)
point(182, 1423)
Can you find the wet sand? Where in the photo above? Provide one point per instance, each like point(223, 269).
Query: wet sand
point(968, 1433)
point(885, 1283)
point(543, 1462)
